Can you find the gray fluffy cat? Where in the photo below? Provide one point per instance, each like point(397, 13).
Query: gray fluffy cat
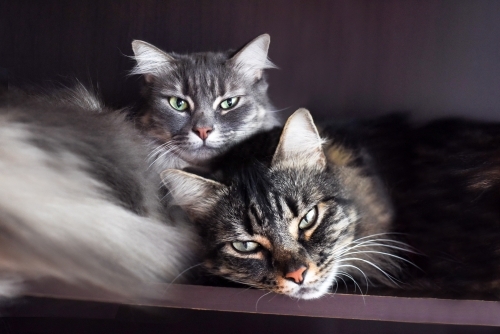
point(79, 199)
point(198, 105)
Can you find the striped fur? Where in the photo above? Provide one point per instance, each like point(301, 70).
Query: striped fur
point(265, 200)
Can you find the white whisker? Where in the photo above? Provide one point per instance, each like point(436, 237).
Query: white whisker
point(182, 273)
point(390, 277)
point(257, 303)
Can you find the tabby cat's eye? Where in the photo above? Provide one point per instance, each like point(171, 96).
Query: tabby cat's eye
point(309, 219)
point(229, 103)
point(245, 246)
point(177, 103)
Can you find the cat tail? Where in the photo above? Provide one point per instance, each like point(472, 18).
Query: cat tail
point(56, 222)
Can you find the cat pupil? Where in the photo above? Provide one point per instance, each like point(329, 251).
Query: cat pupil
point(177, 103)
point(245, 246)
point(180, 103)
point(309, 219)
point(229, 103)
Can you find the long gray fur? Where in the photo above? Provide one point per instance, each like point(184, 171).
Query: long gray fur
point(204, 79)
point(77, 201)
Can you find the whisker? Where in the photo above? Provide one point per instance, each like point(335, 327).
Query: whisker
point(387, 254)
point(390, 277)
point(346, 288)
point(182, 273)
point(362, 272)
point(257, 303)
point(164, 153)
point(354, 281)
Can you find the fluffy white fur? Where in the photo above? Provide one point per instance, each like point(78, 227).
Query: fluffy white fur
point(55, 222)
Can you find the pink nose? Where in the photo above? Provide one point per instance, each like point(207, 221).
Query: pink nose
point(297, 276)
point(202, 132)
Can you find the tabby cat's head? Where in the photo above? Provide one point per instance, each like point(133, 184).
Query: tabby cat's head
point(199, 104)
point(283, 228)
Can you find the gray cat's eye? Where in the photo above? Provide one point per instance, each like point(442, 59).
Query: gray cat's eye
point(309, 219)
point(245, 246)
point(178, 103)
point(229, 103)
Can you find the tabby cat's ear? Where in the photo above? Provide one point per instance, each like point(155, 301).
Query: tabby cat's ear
point(300, 144)
point(151, 61)
point(193, 193)
point(251, 60)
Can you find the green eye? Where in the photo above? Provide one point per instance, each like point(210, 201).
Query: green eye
point(309, 219)
point(177, 103)
point(245, 246)
point(229, 103)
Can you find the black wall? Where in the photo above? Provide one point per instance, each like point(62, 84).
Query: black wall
point(348, 58)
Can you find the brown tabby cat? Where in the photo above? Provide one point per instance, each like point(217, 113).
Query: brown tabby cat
point(377, 202)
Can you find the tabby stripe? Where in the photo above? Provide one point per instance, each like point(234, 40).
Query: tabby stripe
point(292, 206)
point(247, 222)
point(279, 207)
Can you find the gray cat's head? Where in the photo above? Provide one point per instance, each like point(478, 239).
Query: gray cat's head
point(199, 104)
point(290, 228)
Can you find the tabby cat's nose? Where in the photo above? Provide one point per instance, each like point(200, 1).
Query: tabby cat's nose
point(202, 132)
point(297, 276)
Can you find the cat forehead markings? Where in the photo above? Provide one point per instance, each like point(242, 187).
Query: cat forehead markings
point(263, 241)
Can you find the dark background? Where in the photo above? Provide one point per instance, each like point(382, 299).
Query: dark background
point(338, 58)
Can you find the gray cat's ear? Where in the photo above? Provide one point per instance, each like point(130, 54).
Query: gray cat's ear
point(251, 60)
point(300, 144)
point(195, 194)
point(151, 61)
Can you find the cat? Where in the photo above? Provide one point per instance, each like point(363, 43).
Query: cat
point(80, 198)
point(77, 200)
point(287, 222)
point(196, 106)
point(381, 203)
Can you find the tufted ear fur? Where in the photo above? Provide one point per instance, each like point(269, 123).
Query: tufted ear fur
point(251, 60)
point(151, 61)
point(193, 193)
point(300, 143)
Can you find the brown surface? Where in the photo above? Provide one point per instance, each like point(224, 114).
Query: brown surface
point(341, 306)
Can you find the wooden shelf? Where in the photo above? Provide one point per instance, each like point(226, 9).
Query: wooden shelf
point(336, 306)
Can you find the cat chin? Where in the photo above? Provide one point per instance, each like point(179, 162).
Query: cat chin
point(200, 155)
point(312, 292)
